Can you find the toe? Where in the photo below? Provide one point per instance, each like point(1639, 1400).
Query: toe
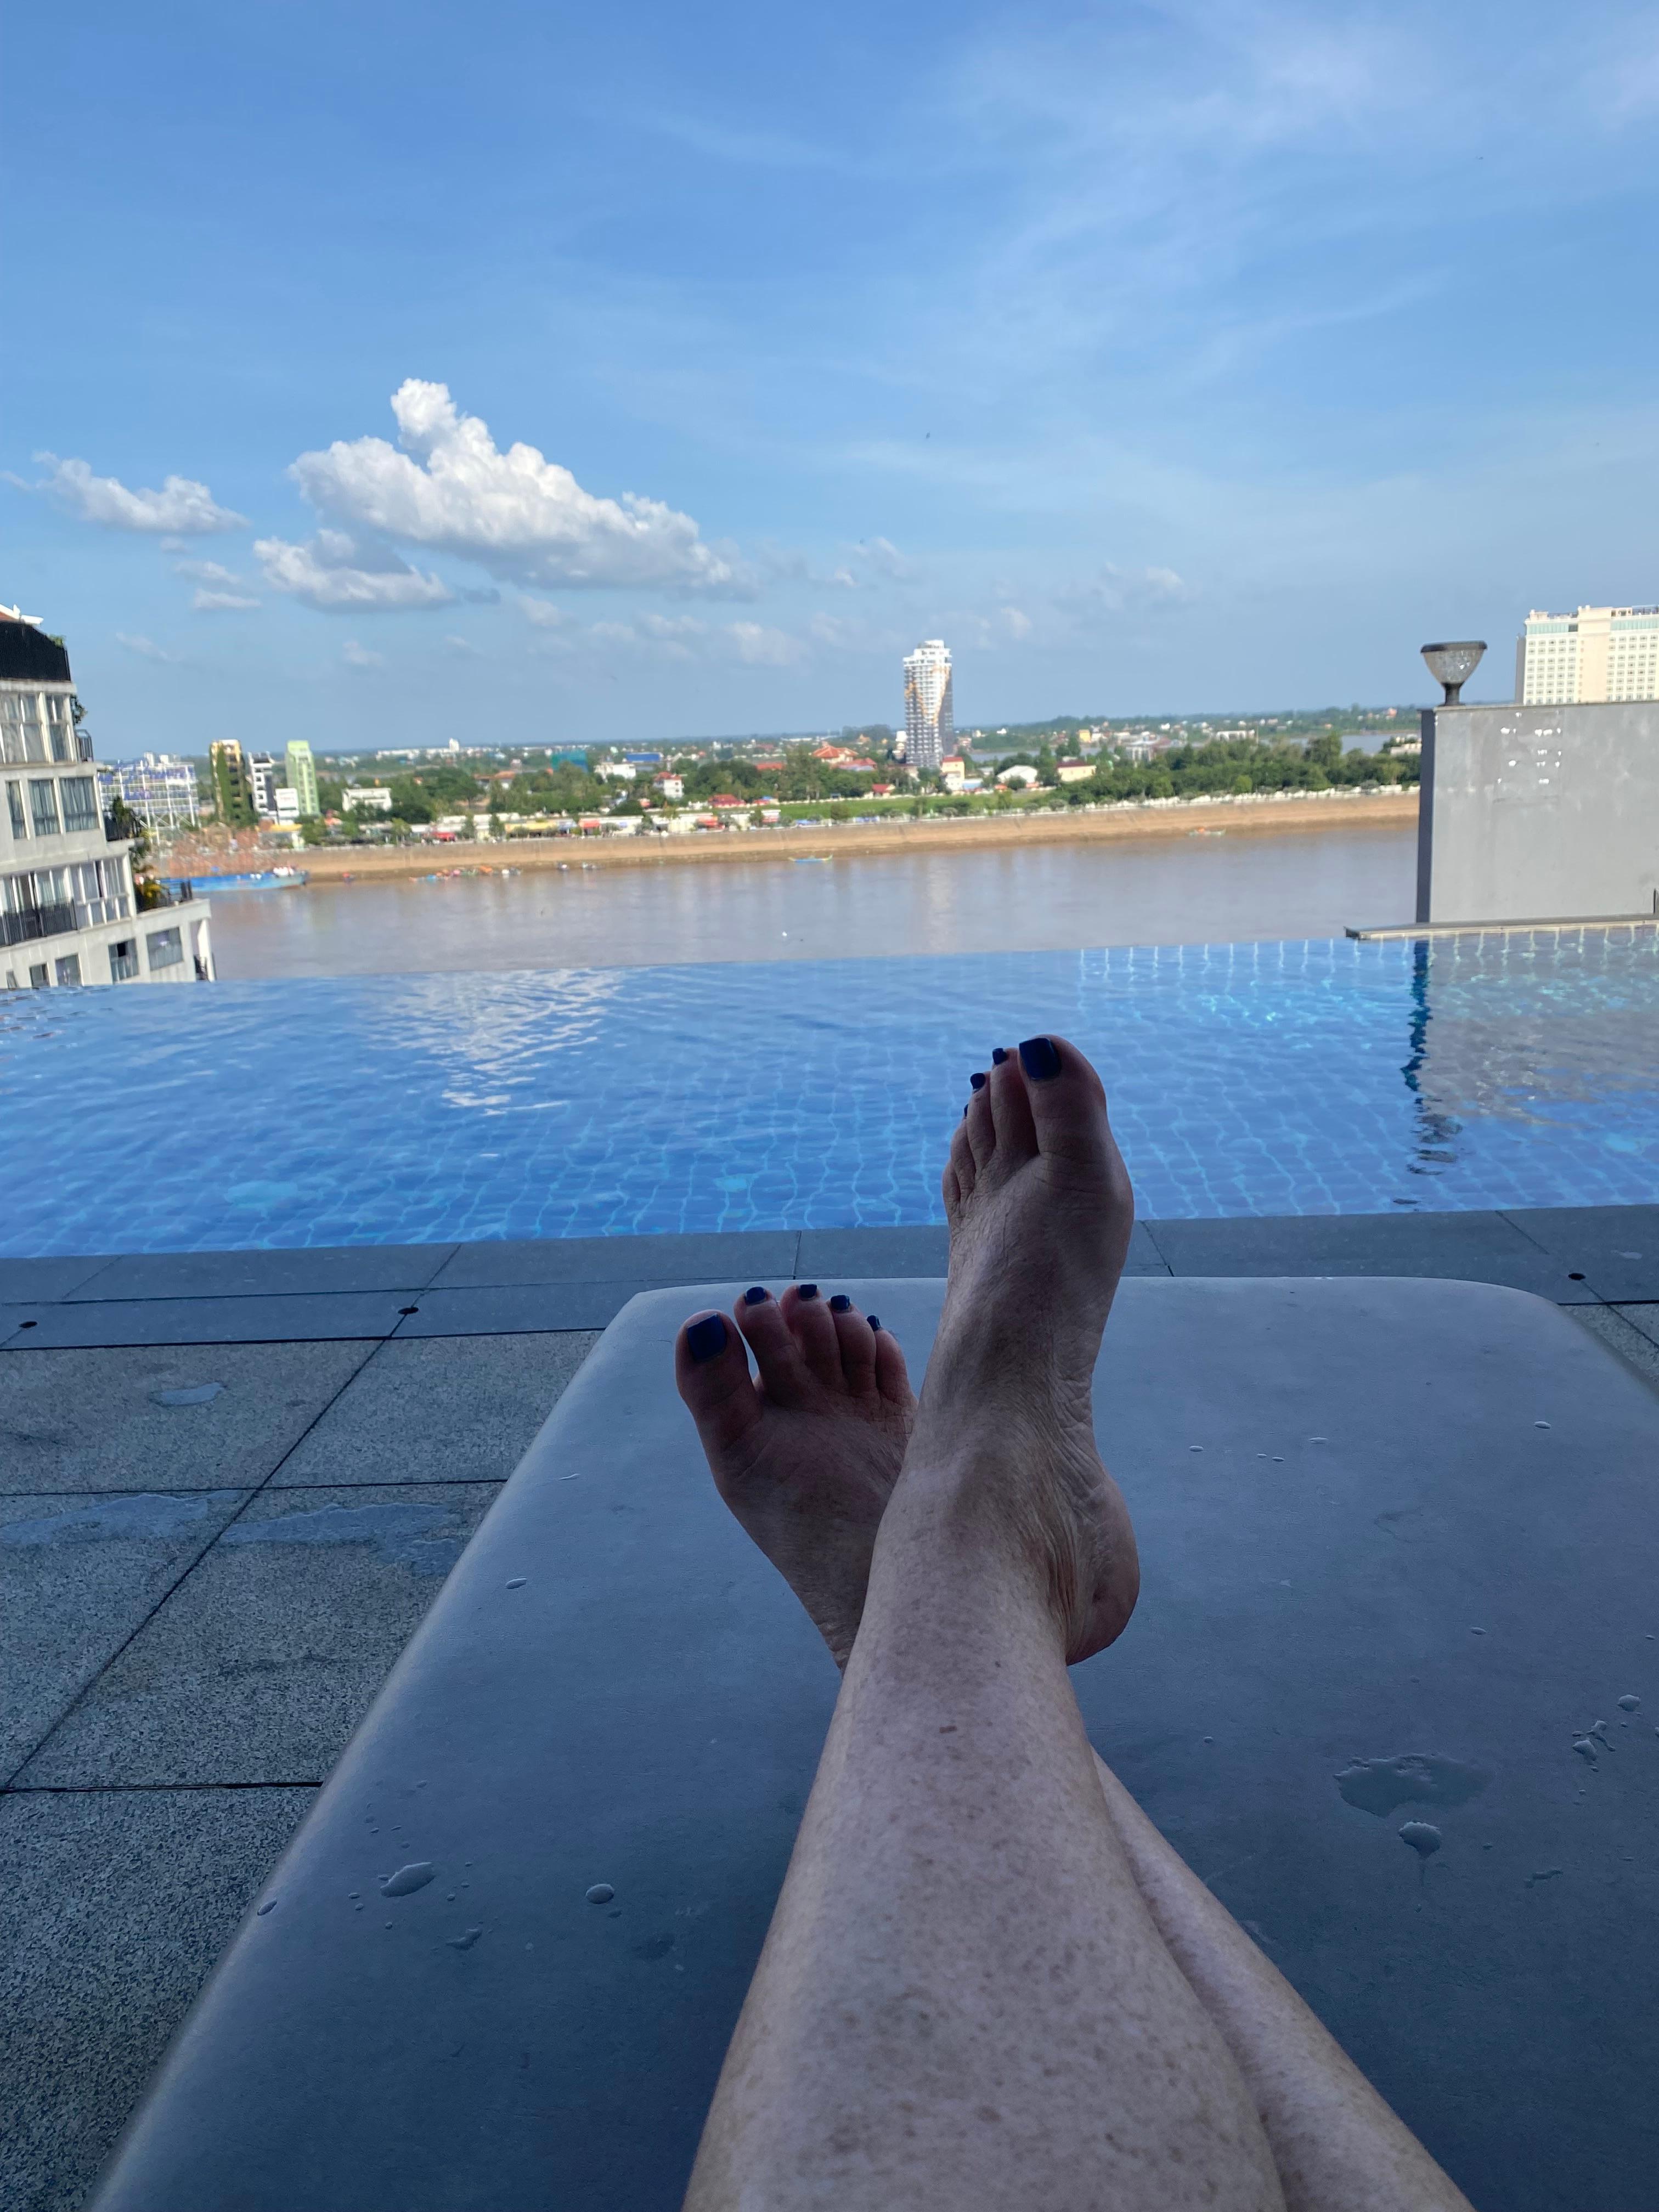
point(711, 1369)
point(857, 1340)
point(1011, 1111)
point(892, 1376)
point(980, 1127)
point(960, 1166)
point(784, 1375)
point(1068, 1102)
point(814, 1327)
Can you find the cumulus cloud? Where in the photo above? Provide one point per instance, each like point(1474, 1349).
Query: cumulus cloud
point(182, 507)
point(145, 647)
point(218, 603)
point(335, 573)
point(1117, 590)
point(516, 513)
point(670, 637)
point(761, 648)
point(219, 590)
point(360, 656)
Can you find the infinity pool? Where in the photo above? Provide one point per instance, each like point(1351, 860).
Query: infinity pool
point(1299, 1078)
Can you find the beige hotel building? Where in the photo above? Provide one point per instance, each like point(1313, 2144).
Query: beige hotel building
point(1595, 657)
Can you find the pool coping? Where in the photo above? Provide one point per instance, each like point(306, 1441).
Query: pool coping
point(1572, 1255)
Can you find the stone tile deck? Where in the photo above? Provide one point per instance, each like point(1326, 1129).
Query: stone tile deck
point(179, 1680)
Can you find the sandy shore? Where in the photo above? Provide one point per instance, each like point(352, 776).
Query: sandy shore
point(975, 832)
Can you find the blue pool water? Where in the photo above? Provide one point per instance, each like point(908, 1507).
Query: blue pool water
point(1300, 1078)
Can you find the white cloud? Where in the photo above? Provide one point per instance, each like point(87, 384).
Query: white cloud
point(219, 589)
point(145, 647)
point(334, 572)
point(215, 603)
point(1117, 590)
point(516, 513)
point(761, 648)
point(463, 645)
point(360, 656)
point(182, 506)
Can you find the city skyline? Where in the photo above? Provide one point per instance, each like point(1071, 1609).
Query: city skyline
point(553, 437)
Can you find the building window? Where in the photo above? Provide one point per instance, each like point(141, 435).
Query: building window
point(43, 805)
point(38, 977)
point(79, 797)
point(164, 948)
point(123, 961)
point(69, 967)
point(14, 804)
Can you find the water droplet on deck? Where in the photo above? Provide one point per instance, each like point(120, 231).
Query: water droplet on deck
point(1423, 1837)
point(1477, 1631)
point(1541, 1424)
point(266, 1907)
point(1584, 1748)
point(408, 1879)
point(601, 1893)
point(204, 1394)
point(1194, 1447)
point(465, 1942)
point(1319, 1440)
point(518, 1582)
point(1377, 1785)
point(1544, 1873)
point(1599, 1727)
point(354, 1895)
point(1629, 1702)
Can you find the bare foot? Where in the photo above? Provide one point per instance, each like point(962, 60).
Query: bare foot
point(807, 1455)
point(1041, 1210)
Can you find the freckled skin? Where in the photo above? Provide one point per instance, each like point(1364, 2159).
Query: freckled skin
point(975, 1904)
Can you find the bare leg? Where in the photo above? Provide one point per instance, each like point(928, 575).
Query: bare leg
point(800, 1456)
point(963, 1999)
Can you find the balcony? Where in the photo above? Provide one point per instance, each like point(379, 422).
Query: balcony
point(36, 922)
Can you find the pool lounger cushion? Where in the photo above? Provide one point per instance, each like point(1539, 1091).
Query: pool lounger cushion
point(1398, 1541)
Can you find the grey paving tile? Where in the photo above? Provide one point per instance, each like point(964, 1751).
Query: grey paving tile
point(827, 1254)
point(1615, 1247)
point(1643, 1318)
point(262, 1662)
point(210, 1321)
point(521, 1309)
point(98, 1420)
point(756, 1254)
point(439, 1408)
point(1638, 1346)
point(23, 1281)
point(77, 1575)
point(1478, 1248)
point(113, 1907)
point(266, 1274)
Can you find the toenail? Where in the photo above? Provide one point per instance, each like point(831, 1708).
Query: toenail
point(756, 1297)
point(1039, 1059)
point(841, 1303)
point(706, 1339)
point(978, 1082)
point(874, 1322)
point(807, 1290)
point(998, 1057)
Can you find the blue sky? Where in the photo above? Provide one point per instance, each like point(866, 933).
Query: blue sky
point(1173, 356)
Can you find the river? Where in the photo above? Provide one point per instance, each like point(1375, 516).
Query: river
point(1201, 889)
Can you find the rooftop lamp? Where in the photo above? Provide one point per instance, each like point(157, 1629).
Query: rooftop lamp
point(1453, 665)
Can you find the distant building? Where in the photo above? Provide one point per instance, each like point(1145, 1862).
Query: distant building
point(952, 772)
point(1074, 771)
point(262, 779)
point(929, 720)
point(368, 798)
point(161, 790)
point(1598, 656)
point(302, 775)
point(286, 806)
point(69, 911)
point(233, 792)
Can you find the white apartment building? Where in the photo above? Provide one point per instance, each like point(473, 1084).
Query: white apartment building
point(930, 730)
point(67, 911)
point(1595, 657)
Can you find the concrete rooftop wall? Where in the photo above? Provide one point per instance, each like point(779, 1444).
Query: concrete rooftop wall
point(1538, 813)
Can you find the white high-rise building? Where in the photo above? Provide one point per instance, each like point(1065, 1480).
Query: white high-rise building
point(1595, 657)
point(930, 731)
point(70, 911)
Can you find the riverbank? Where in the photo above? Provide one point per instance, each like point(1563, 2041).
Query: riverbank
point(1301, 813)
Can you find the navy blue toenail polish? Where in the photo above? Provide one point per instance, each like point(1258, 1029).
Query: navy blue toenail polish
point(998, 1057)
point(1039, 1059)
point(978, 1081)
point(805, 1291)
point(754, 1297)
point(841, 1303)
point(874, 1322)
point(706, 1339)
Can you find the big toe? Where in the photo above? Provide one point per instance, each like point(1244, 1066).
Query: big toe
point(711, 1372)
point(1067, 1102)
